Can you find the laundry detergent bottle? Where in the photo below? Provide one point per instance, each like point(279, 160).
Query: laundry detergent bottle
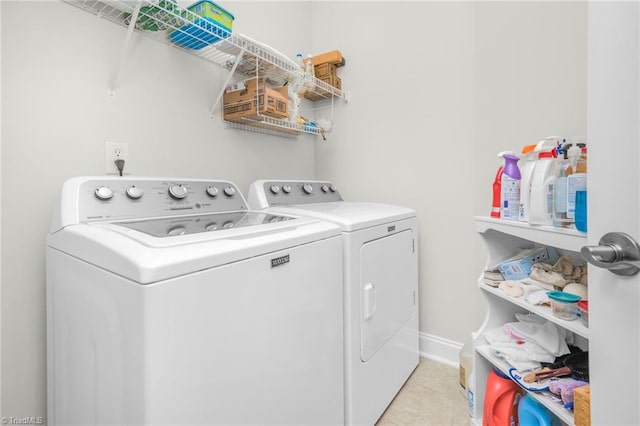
point(526, 171)
point(533, 413)
point(510, 187)
point(501, 399)
point(542, 192)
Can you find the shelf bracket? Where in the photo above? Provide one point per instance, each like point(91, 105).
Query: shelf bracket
point(232, 71)
point(111, 91)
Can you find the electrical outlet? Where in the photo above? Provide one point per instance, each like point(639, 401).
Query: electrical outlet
point(116, 151)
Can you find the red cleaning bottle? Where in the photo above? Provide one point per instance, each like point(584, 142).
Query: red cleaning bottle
point(497, 190)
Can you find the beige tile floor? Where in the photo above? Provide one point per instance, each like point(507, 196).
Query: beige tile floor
point(430, 397)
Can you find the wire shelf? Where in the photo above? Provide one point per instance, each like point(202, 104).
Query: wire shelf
point(166, 22)
point(276, 125)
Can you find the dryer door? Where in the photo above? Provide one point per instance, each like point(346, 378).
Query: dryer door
point(387, 282)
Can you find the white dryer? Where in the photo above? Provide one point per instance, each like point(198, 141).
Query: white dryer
point(169, 303)
point(381, 287)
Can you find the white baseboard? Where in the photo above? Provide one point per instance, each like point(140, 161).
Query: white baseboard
point(440, 349)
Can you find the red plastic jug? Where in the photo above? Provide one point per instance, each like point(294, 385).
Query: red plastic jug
point(501, 399)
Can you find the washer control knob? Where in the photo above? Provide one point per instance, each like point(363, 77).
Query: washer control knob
point(211, 227)
point(286, 189)
point(104, 193)
point(212, 191)
point(325, 188)
point(274, 189)
point(229, 191)
point(134, 192)
point(178, 191)
point(175, 231)
point(333, 188)
point(307, 188)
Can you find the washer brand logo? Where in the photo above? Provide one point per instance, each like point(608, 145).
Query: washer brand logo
point(279, 261)
point(391, 228)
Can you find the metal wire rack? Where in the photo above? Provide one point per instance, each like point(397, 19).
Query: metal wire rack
point(165, 21)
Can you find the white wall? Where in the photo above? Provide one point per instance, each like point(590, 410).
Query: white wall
point(530, 71)
point(406, 136)
point(56, 116)
point(438, 89)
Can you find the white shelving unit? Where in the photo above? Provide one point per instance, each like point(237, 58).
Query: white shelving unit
point(503, 239)
point(235, 52)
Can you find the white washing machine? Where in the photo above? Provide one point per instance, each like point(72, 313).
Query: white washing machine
point(169, 303)
point(381, 286)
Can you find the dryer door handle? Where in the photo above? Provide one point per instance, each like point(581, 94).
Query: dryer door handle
point(369, 300)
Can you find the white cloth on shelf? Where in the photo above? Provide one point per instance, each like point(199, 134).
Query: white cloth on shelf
point(528, 342)
point(547, 335)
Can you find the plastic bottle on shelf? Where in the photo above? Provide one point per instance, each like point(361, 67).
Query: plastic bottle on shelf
point(577, 181)
point(309, 73)
point(560, 218)
point(501, 399)
point(526, 171)
point(533, 413)
point(541, 199)
point(308, 65)
point(527, 166)
point(510, 187)
point(495, 205)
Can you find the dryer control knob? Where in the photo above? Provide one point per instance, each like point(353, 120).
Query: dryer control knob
point(134, 192)
point(178, 191)
point(212, 191)
point(325, 188)
point(307, 188)
point(104, 193)
point(274, 189)
point(333, 188)
point(229, 191)
point(286, 189)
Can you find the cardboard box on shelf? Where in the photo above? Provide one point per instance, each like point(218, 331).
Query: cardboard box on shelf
point(333, 57)
point(254, 100)
point(324, 70)
point(582, 406)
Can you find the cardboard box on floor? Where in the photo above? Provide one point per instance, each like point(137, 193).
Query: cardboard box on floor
point(254, 100)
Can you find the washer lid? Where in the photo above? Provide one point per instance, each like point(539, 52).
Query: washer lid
point(350, 216)
point(129, 250)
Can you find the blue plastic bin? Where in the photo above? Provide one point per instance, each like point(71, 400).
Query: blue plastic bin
point(213, 24)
